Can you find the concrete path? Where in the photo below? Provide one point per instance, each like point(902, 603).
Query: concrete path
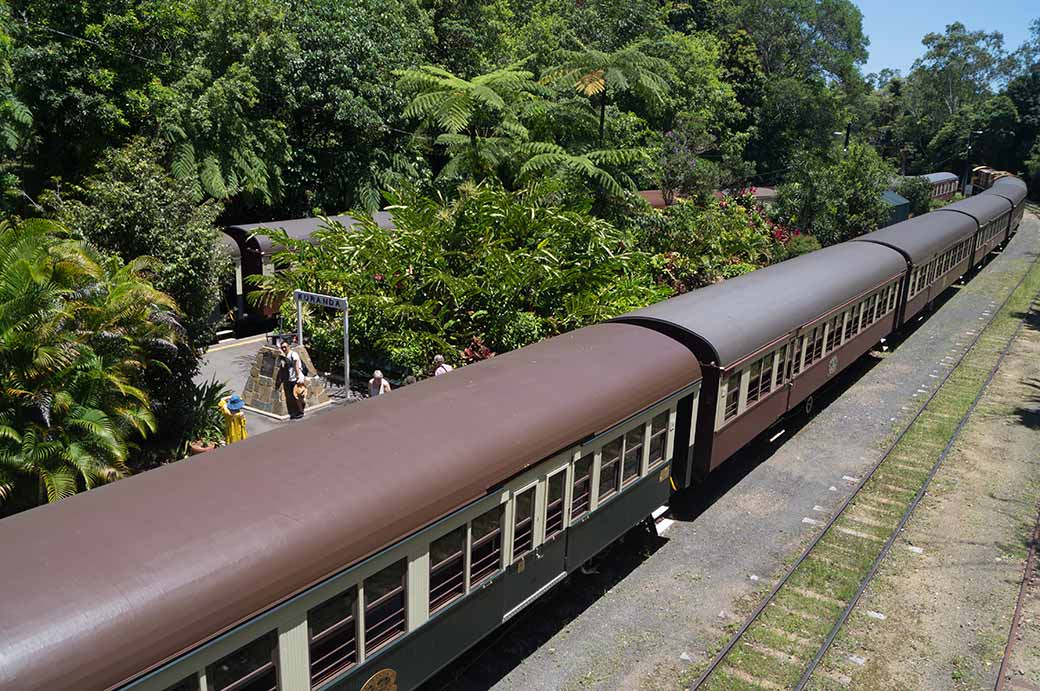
point(230, 362)
point(659, 604)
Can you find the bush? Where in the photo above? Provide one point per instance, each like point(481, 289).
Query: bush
point(801, 244)
point(918, 192)
point(487, 272)
point(836, 197)
point(131, 207)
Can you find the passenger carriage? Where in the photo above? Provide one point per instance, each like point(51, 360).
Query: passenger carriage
point(992, 217)
point(938, 250)
point(944, 185)
point(1014, 190)
point(768, 340)
point(384, 539)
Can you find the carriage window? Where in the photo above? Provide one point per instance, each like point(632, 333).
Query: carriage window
point(732, 396)
point(250, 668)
point(833, 331)
point(766, 377)
point(332, 636)
point(609, 469)
point(796, 366)
point(523, 523)
point(781, 370)
point(892, 292)
point(816, 345)
point(486, 550)
point(385, 606)
point(754, 382)
point(582, 490)
point(852, 326)
point(188, 684)
point(658, 438)
point(554, 505)
point(447, 568)
point(633, 455)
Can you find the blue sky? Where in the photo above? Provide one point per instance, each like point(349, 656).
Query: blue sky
point(896, 28)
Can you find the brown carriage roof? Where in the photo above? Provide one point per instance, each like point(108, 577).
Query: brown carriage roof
point(936, 178)
point(101, 585)
point(229, 245)
point(300, 228)
point(728, 321)
point(982, 207)
point(1011, 188)
point(920, 238)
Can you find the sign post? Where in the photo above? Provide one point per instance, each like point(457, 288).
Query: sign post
point(302, 296)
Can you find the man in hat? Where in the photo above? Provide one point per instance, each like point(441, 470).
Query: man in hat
point(234, 418)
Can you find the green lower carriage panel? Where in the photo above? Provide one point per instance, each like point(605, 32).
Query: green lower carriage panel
point(613, 519)
point(419, 655)
point(410, 660)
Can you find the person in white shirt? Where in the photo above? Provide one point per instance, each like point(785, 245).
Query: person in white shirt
point(378, 384)
point(291, 375)
point(440, 367)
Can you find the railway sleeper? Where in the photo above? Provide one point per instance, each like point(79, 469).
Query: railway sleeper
point(733, 679)
point(762, 665)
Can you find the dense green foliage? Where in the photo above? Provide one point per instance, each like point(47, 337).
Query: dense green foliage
point(492, 267)
point(836, 196)
point(78, 335)
point(130, 207)
point(966, 101)
point(510, 137)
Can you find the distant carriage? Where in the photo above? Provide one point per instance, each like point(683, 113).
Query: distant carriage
point(253, 254)
point(944, 185)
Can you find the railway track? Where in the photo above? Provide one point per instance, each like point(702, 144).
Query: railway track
point(1029, 576)
point(783, 642)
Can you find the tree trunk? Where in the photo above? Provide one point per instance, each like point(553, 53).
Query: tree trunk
point(475, 154)
point(602, 114)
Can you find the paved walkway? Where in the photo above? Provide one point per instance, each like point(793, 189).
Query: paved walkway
point(230, 363)
point(660, 603)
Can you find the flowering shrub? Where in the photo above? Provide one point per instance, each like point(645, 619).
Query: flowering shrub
point(699, 244)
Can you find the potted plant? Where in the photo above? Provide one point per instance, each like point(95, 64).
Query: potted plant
point(206, 427)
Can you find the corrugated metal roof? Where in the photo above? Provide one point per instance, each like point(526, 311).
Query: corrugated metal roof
point(729, 321)
point(920, 238)
point(102, 584)
point(936, 178)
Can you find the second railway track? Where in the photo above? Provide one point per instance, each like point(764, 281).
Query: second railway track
point(782, 643)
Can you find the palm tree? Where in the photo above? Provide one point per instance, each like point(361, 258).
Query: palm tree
point(595, 72)
point(590, 166)
point(76, 332)
point(469, 110)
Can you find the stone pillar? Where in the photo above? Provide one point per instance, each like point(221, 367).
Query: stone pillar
point(263, 391)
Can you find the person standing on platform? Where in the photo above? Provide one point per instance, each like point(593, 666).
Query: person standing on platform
point(440, 366)
point(234, 418)
point(292, 380)
point(378, 385)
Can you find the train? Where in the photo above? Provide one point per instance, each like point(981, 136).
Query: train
point(944, 185)
point(366, 548)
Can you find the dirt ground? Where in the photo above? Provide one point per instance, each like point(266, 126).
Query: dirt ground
point(938, 613)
